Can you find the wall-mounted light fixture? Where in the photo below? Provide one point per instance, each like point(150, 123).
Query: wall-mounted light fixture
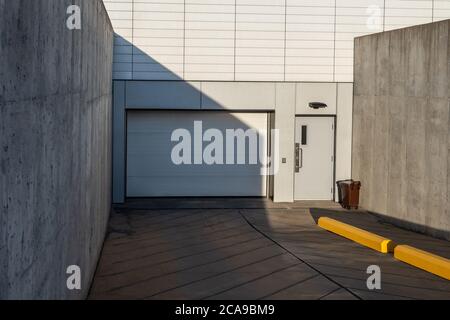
point(317, 105)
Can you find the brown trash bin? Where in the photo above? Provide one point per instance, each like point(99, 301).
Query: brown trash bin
point(348, 193)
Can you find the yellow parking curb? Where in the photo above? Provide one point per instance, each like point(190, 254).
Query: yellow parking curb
point(360, 236)
point(424, 260)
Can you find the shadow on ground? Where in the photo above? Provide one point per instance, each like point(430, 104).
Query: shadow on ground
point(244, 249)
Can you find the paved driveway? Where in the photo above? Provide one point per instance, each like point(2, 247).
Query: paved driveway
point(245, 249)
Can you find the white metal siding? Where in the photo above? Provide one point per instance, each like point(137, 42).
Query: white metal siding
point(209, 39)
point(254, 40)
point(441, 10)
point(121, 15)
point(403, 13)
point(310, 40)
point(260, 30)
point(353, 18)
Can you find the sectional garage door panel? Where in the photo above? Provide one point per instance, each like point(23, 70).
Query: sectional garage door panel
point(152, 173)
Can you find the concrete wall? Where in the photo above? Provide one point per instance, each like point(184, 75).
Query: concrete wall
point(401, 126)
point(286, 99)
point(55, 145)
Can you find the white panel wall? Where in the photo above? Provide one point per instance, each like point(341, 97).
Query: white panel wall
point(121, 15)
point(285, 123)
point(353, 18)
point(260, 26)
point(310, 40)
point(315, 92)
point(210, 39)
point(403, 13)
point(253, 40)
point(158, 38)
point(441, 10)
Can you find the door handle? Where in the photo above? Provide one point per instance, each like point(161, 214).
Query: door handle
point(298, 157)
point(301, 158)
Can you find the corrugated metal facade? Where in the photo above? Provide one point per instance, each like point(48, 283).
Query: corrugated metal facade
point(253, 40)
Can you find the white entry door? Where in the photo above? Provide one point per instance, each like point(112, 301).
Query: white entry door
point(314, 158)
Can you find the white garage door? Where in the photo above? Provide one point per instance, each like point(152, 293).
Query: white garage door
point(151, 171)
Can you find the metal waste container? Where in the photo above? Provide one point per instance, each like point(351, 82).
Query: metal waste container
point(348, 193)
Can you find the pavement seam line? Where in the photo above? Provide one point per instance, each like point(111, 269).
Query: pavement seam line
point(216, 275)
point(253, 280)
point(306, 263)
point(189, 268)
point(290, 286)
point(185, 256)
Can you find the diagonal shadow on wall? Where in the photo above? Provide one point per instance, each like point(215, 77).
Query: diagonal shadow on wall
point(153, 110)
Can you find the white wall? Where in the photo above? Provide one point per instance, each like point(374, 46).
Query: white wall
point(121, 15)
point(286, 99)
point(253, 40)
point(283, 189)
point(315, 92)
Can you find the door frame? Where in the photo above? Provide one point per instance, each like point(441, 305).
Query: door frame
point(333, 185)
point(270, 116)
